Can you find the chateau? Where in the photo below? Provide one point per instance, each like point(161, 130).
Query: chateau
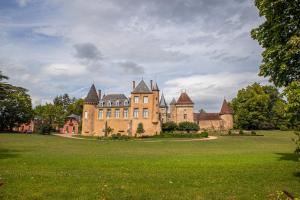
point(147, 107)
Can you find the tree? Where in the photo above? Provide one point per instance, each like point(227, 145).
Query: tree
point(188, 126)
point(258, 107)
point(279, 35)
point(63, 100)
point(15, 105)
point(169, 127)
point(140, 128)
point(292, 93)
point(76, 107)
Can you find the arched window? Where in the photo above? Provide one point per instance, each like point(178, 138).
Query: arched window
point(117, 103)
point(109, 103)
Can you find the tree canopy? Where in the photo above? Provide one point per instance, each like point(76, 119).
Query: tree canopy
point(259, 107)
point(15, 105)
point(279, 35)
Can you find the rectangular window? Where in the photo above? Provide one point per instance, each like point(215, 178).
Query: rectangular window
point(136, 99)
point(185, 116)
point(145, 99)
point(117, 113)
point(85, 115)
point(100, 114)
point(136, 113)
point(145, 113)
point(125, 113)
point(108, 113)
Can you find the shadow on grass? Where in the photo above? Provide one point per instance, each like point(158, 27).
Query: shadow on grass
point(8, 153)
point(289, 156)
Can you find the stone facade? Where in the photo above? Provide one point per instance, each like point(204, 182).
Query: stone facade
point(121, 113)
point(183, 110)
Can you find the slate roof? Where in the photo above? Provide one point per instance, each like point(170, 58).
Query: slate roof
point(162, 102)
point(173, 102)
point(114, 99)
point(155, 87)
point(92, 96)
point(73, 116)
point(141, 88)
point(225, 108)
point(184, 99)
point(202, 116)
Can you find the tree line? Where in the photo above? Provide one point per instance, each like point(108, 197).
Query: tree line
point(16, 108)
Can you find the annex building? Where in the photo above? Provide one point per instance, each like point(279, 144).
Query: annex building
point(147, 107)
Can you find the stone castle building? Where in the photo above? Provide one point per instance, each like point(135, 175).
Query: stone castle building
point(123, 114)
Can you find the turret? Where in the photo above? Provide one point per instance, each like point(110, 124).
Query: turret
point(226, 115)
point(89, 109)
point(163, 109)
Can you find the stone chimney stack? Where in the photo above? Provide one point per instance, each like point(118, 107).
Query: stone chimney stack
point(133, 85)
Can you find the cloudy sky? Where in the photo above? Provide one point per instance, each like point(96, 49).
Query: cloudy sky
point(59, 46)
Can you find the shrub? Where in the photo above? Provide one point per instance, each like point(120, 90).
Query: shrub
point(118, 136)
point(107, 131)
point(253, 133)
point(204, 134)
point(297, 142)
point(44, 129)
point(229, 132)
point(283, 128)
point(188, 126)
point(169, 127)
point(140, 128)
point(241, 132)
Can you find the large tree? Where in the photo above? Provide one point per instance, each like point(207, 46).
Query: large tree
point(279, 35)
point(258, 107)
point(15, 105)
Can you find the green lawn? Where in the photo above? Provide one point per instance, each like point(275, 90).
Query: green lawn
point(51, 167)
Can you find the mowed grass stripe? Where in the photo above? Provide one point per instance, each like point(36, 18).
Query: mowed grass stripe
point(49, 167)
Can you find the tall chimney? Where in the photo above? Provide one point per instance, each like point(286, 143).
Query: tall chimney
point(151, 84)
point(133, 85)
point(99, 94)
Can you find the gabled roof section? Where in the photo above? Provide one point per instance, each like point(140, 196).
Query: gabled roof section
point(173, 102)
point(141, 88)
point(225, 108)
point(92, 97)
point(162, 102)
point(155, 87)
point(73, 116)
point(184, 99)
point(206, 116)
point(114, 97)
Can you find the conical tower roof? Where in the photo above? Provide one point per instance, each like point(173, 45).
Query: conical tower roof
point(92, 97)
point(141, 88)
point(225, 108)
point(155, 87)
point(173, 102)
point(184, 99)
point(162, 102)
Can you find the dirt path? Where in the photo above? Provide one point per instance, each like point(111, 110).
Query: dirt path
point(147, 140)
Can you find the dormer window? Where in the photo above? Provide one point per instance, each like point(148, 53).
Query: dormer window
point(101, 103)
point(117, 103)
point(109, 103)
point(125, 103)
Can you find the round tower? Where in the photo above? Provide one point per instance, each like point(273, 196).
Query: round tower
point(89, 110)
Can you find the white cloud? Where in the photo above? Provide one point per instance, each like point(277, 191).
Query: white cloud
point(65, 69)
point(208, 90)
point(23, 3)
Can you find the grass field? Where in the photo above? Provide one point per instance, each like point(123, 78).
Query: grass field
point(51, 167)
